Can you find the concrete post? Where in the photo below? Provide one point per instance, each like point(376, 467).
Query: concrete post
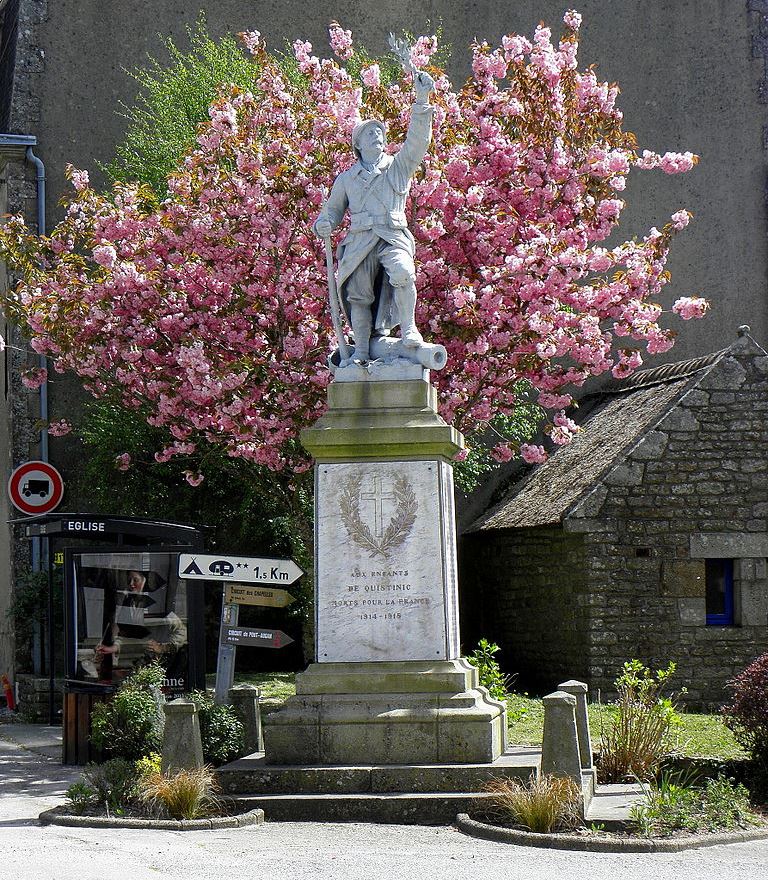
point(182, 744)
point(245, 699)
point(560, 746)
point(579, 690)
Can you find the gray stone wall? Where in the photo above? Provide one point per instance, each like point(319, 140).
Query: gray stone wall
point(694, 488)
point(532, 602)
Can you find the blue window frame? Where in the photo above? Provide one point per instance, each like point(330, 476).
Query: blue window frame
point(719, 586)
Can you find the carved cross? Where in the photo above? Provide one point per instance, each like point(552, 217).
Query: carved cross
point(378, 496)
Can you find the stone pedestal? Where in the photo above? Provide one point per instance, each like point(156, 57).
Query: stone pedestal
point(388, 686)
point(387, 713)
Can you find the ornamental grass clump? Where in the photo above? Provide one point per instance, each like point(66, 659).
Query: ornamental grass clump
point(180, 794)
point(542, 805)
point(638, 735)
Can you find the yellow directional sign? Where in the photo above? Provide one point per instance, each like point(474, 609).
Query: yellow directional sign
point(242, 594)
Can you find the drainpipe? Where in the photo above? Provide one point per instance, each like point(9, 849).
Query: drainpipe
point(42, 360)
point(40, 547)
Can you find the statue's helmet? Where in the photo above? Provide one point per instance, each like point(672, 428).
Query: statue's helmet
point(361, 127)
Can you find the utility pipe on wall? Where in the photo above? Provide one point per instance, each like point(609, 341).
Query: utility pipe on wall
point(42, 551)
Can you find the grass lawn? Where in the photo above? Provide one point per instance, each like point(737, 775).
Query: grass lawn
point(274, 685)
point(698, 735)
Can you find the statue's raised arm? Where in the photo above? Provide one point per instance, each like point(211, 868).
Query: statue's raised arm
point(376, 278)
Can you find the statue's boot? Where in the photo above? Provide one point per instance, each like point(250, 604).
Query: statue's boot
point(405, 299)
point(360, 319)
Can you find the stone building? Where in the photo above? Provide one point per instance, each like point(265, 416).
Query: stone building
point(647, 537)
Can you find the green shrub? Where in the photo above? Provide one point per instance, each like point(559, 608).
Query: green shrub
point(747, 716)
point(148, 765)
point(221, 731)
point(491, 676)
point(183, 794)
point(542, 805)
point(80, 796)
point(173, 100)
point(637, 736)
point(130, 725)
point(674, 805)
point(114, 784)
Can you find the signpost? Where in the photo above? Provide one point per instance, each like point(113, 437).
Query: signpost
point(241, 569)
point(261, 638)
point(240, 594)
point(237, 573)
point(35, 487)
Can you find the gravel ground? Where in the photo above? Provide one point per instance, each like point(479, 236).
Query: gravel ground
point(31, 782)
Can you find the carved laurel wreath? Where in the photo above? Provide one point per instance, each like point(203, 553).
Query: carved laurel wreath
point(399, 526)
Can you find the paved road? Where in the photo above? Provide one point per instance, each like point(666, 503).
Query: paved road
point(31, 782)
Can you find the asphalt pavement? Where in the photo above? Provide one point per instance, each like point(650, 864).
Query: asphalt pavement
point(32, 780)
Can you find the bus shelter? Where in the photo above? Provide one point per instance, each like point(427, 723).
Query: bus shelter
point(124, 607)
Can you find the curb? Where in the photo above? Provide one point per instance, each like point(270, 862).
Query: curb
point(602, 844)
point(56, 816)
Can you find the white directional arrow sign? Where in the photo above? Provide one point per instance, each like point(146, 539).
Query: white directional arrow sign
point(240, 569)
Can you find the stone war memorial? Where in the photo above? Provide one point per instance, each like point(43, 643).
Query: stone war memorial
point(389, 685)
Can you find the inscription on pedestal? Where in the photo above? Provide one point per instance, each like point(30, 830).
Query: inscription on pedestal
point(386, 587)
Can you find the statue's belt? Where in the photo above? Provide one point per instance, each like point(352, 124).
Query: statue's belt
point(363, 220)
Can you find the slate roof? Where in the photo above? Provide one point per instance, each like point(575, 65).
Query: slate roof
point(614, 419)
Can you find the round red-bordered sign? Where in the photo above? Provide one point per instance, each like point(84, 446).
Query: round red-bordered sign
point(35, 487)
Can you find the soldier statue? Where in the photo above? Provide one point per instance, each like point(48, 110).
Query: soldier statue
point(376, 276)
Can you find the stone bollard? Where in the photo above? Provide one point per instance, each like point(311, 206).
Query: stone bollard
point(245, 699)
point(560, 746)
point(182, 745)
point(579, 690)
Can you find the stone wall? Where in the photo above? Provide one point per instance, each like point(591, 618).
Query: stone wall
point(33, 698)
point(532, 601)
point(695, 487)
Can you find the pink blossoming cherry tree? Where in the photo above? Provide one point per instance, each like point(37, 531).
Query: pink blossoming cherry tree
point(207, 313)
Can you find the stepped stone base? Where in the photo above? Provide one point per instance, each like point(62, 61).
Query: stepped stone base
point(414, 712)
point(423, 794)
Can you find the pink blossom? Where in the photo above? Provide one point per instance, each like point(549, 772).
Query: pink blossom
point(533, 454)
point(105, 255)
point(554, 401)
point(80, 179)
point(59, 428)
point(371, 76)
point(194, 478)
point(572, 19)
point(515, 47)
point(690, 307)
point(123, 461)
point(674, 163)
point(561, 436)
point(562, 421)
point(251, 40)
point(501, 452)
point(34, 378)
point(422, 50)
point(341, 41)
point(681, 219)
